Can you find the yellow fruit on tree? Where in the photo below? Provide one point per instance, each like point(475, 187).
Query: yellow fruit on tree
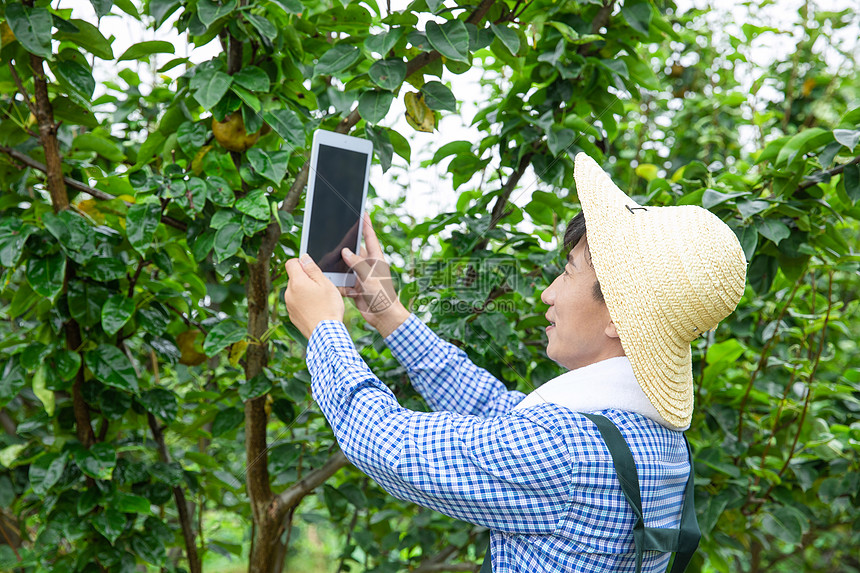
point(418, 114)
point(190, 355)
point(231, 133)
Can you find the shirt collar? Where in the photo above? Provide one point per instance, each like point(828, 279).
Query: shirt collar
point(608, 384)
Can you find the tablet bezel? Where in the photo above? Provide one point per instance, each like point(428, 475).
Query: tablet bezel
point(341, 141)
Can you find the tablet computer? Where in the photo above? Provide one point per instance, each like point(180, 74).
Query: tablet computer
point(337, 189)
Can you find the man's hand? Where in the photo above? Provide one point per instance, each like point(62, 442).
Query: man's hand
point(310, 296)
point(373, 292)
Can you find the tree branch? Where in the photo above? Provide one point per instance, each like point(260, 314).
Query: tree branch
point(60, 201)
point(291, 496)
point(820, 176)
point(8, 423)
point(179, 496)
point(21, 89)
point(498, 211)
point(78, 186)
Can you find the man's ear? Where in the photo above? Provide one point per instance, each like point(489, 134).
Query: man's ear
point(611, 331)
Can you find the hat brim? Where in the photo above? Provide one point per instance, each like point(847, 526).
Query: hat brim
point(661, 359)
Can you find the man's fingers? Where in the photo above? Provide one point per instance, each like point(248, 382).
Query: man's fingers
point(359, 265)
point(294, 269)
point(311, 268)
point(374, 250)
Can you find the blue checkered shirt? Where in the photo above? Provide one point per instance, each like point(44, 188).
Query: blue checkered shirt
point(541, 478)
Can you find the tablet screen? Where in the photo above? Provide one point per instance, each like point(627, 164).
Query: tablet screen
point(338, 191)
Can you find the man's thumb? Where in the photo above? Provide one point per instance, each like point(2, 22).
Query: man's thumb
point(311, 268)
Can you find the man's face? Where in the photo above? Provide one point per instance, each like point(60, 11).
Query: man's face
point(581, 331)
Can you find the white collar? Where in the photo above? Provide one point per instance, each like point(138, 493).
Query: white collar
point(604, 385)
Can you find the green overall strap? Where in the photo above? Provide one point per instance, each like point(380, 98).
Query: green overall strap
point(683, 540)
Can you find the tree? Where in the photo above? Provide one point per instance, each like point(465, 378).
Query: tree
point(150, 378)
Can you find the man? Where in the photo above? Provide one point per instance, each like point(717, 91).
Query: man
point(638, 287)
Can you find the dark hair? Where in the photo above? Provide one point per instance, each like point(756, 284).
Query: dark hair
point(574, 233)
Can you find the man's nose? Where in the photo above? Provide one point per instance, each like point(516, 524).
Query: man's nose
point(548, 295)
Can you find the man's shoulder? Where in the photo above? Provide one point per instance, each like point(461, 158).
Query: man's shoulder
point(644, 437)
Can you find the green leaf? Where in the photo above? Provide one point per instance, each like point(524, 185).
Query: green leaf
point(851, 180)
point(226, 420)
point(224, 334)
point(104, 269)
point(13, 235)
point(638, 15)
point(128, 7)
point(191, 137)
point(102, 7)
point(142, 49)
point(46, 274)
point(802, 143)
point(116, 312)
point(161, 402)
point(507, 37)
point(337, 59)
point(269, 164)
point(161, 9)
point(102, 145)
point(141, 223)
point(98, 461)
point(558, 140)
point(712, 198)
point(153, 144)
point(384, 42)
point(252, 78)
point(400, 145)
point(89, 38)
point(288, 125)
point(85, 302)
point(149, 547)
point(263, 26)
point(450, 39)
point(252, 102)
point(284, 410)
point(46, 471)
point(257, 386)
point(437, 96)
point(776, 231)
point(109, 523)
point(40, 389)
point(208, 12)
point(373, 105)
point(32, 27)
point(220, 192)
point(255, 204)
point(88, 500)
point(381, 145)
point(76, 78)
point(110, 366)
point(388, 74)
point(749, 208)
point(209, 87)
point(847, 137)
point(65, 363)
point(748, 238)
point(288, 6)
point(785, 524)
point(130, 503)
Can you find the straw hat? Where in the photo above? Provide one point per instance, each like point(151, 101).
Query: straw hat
point(668, 274)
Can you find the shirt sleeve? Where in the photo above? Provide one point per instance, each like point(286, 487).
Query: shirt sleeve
point(444, 375)
point(507, 473)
